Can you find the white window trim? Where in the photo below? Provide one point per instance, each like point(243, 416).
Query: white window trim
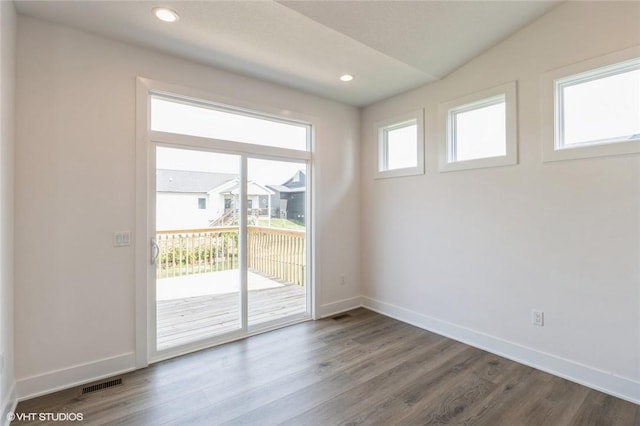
point(382, 127)
point(550, 109)
point(486, 97)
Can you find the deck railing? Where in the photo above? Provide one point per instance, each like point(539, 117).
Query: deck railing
point(278, 253)
point(273, 252)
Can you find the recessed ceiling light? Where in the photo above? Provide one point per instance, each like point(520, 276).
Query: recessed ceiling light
point(346, 77)
point(166, 15)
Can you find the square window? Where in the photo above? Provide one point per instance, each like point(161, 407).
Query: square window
point(400, 146)
point(592, 108)
point(202, 203)
point(479, 130)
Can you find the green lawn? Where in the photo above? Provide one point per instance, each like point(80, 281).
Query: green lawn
point(281, 223)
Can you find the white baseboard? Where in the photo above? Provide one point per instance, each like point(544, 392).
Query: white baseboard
point(621, 387)
point(9, 405)
point(340, 306)
point(65, 378)
point(604, 381)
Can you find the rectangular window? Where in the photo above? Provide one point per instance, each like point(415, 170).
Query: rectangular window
point(202, 203)
point(400, 146)
point(198, 118)
point(479, 130)
point(592, 108)
point(600, 108)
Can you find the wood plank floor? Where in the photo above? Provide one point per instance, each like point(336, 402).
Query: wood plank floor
point(363, 368)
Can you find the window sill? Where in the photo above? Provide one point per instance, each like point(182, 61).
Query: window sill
point(411, 171)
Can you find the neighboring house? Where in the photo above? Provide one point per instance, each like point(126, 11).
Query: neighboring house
point(183, 200)
point(191, 200)
point(288, 200)
point(226, 197)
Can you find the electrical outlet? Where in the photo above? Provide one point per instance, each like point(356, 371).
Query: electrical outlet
point(537, 317)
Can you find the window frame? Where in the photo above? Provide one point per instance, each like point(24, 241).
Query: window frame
point(552, 125)
point(485, 98)
point(398, 122)
point(202, 201)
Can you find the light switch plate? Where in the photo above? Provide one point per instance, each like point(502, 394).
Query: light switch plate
point(122, 238)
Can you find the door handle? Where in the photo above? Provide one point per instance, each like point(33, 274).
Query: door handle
point(155, 251)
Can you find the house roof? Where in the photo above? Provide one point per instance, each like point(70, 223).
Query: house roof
point(189, 181)
point(233, 187)
point(297, 183)
point(206, 182)
point(297, 180)
point(282, 188)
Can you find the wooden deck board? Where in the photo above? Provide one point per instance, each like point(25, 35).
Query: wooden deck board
point(193, 318)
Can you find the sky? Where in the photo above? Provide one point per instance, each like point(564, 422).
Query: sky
point(602, 109)
point(481, 133)
point(402, 147)
point(175, 117)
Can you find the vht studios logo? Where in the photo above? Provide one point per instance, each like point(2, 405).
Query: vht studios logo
point(46, 417)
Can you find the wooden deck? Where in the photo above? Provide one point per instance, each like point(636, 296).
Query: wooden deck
point(190, 319)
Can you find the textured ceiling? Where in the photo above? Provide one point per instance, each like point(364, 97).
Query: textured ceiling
point(390, 46)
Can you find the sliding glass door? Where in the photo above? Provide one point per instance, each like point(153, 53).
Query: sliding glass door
point(230, 240)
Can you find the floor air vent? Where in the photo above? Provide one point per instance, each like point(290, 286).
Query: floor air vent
point(341, 317)
point(100, 386)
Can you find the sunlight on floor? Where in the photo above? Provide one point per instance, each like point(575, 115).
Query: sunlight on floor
point(210, 283)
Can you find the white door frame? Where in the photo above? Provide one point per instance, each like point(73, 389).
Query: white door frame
point(146, 142)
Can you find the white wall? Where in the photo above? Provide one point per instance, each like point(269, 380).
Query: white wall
point(7, 89)
point(176, 210)
point(75, 182)
point(470, 253)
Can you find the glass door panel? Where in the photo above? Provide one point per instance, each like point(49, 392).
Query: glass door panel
point(276, 240)
point(198, 282)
